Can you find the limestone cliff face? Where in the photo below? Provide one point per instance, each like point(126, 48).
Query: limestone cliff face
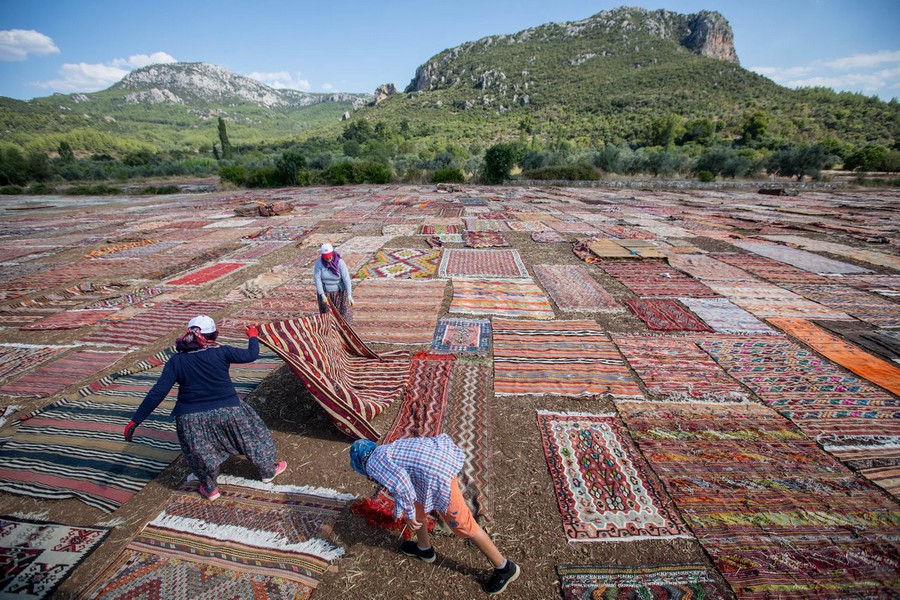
point(710, 35)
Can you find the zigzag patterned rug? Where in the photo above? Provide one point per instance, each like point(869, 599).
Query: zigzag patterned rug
point(408, 263)
point(604, 488)
point(256, 541)
point(584, 582)
point(424, 397)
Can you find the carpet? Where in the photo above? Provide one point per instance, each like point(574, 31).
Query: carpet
point(256, 541)
point(765, 300)
point(37, 556)
point(573, 288)
point(852, 358)
point(654, 279)
point(440, 229)
point(397, 311)
point(876, 341)
point(726, 317)
point(71, 319)
point(707, 268)
point(209, 274)
point(778, 517)
point(484, 239)
point(566, 358)
point(801, 259)
point(608, 248)
point(500, 298)
point(136, 297)
point(15, 359)
point(424, 398)
point(72, 368)
point(584, 582)
point(771, 270)
point(363, 244)
point(401, 264)
point(460, 263)
point(675, 369)
point(147, 327)
point(547, 237)
point(462, 336)
point(255, 251)
point(857, 303)
point(665, 314)
point(604, 488)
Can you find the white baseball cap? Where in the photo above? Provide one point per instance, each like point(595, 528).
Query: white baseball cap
point(206, 324)
point(326, 248)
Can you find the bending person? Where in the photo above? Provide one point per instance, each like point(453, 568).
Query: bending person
point(211, 421)
point(333, 283)
point(421, 475)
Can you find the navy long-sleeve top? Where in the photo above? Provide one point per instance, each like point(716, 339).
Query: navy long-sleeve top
point(202, 378)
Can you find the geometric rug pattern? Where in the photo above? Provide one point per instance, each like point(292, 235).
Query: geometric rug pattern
point(481, 263)
point(665, 314)
point(862, 305)
point(566, 358)
point(403, 263)
point(777, 515)
point(502, 298)
point(573, 289)
point(604, 488)
point(583, 582)
point(653, 279)
point(50, 378)
point(462, 336)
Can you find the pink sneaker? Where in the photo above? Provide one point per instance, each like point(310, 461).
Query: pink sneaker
point(279, 469)
point(207, 494)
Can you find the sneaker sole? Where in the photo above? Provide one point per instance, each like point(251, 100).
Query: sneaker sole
point(420, 557)
point(508, 581)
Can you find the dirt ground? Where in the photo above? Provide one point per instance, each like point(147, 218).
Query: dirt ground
point(527, 525)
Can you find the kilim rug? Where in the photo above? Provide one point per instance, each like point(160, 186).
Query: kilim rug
point(765, 300)
point(500, 298)
point(801, 259)
point(726, 317)
point(654, 279)
point(484, 239)
point(573, 227)
point(136, 297)
point(771, 270)
point(862, 305)
point(533, 226)
point(665, 314)
point(573, 288)
point(59, 374)
point(255, 541)
point(72, 319)
point(608, 248)
point(566, 358)
point(147, 327)
point(401, 264)
point(777, 515)
point(440, 229)
point(584, 582)
point(424, 397)
point(852, 358)
point(397, 311)
point(208, 274)
point(604, 488)
point(462, 336)
point(363, 244)
point(105, 250)
point(707, 268)
point(476, 264)
point(15, 359)
point(876, 341)
point(257, 251)
point(36, 556)
point(547, 237)
point(676, 369)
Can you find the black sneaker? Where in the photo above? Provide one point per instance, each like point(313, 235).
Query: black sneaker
point(500, 579)
point(410, 548)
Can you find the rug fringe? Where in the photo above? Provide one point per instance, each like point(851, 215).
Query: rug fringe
point(706, 398)
point(574, 414)
point(32, 516)
point(234, 533)
point(287, 488)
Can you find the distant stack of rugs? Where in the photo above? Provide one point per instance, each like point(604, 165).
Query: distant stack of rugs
point(754, 379)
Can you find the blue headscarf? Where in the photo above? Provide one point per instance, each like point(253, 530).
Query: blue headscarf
point(360, 452)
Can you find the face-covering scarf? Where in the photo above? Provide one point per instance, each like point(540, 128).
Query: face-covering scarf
point(333, 265)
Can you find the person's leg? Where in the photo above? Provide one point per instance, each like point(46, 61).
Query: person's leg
point(459, 518)
point(252, 438)
point(198, 442)
point(423, 539)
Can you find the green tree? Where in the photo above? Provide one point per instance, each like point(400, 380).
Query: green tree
point(289, 164)
point(665, 130)
point(867, 158)
point(223, 139)
point(799, 161)
point(755, 128)
point(13, 167)
point(702, 131)
point(499, 160)
point(65, 151)
point(38, 166)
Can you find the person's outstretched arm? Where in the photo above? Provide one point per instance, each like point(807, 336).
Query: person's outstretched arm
point(153, 398)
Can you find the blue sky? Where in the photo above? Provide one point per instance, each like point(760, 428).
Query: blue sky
point(67, 46)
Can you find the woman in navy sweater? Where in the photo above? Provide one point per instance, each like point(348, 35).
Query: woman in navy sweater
point(211, 421)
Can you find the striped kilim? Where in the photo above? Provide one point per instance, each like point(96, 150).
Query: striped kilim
point(603, 486)
point(777, 515)
point(654, 279)
point(583, 582)
point(147, 327)
point(350, 381)
point(15, 359)
point(462, 336)
point(74, 448)
point(771, 270)
point(765, 300)
point(573, 288)
point(676, 369)
point(136, 297)
point(255, 251)
point(707, 268)
point(566, 358)
point(802, 259)
point(726, 317)
point(407, 263)
point(59, 374)
point(397, 311)
point(665, 314)
point(479, 263)
point(254, 541)
point(72, 319)
point(857, 303)
point(425, 397)
point(210, 273)
point(503, 298)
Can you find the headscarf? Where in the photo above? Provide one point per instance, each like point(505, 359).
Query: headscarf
point(360, 452)
point(194, 340)
point(333, 265)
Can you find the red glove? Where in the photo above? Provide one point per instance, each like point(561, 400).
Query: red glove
point(252, 331)
point(129, 430)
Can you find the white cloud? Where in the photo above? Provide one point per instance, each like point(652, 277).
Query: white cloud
point(327, 87)
point(92, 77)
point(281, 80)
point(856, 73)
point(17, 44)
